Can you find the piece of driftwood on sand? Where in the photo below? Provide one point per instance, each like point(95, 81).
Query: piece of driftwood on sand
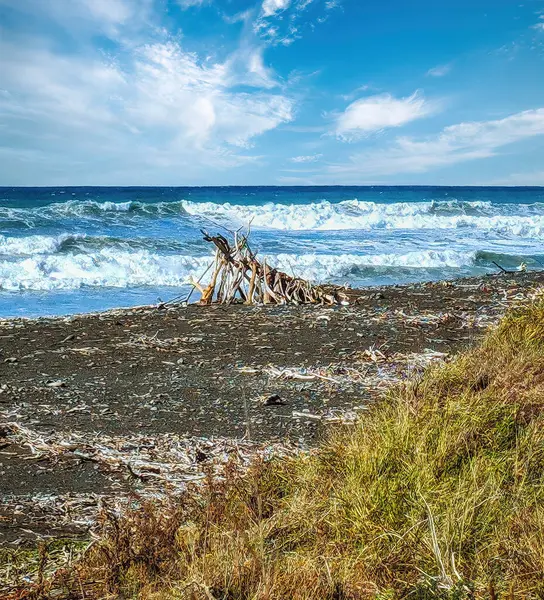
point(237, 275)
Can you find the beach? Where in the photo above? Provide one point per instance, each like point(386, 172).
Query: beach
point(97, 407)
point(117, 388)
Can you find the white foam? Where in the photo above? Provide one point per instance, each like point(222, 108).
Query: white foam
point(85, 207)
point(34, 244)
point(114, 268)
point(357, 215)
point(325, 267)
point(106, 268)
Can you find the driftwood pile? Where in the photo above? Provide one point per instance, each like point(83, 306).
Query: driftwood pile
point(239, 276)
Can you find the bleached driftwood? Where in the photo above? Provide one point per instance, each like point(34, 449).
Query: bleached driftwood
point(237, 275)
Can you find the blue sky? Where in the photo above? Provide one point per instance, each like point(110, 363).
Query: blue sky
point(278, 92)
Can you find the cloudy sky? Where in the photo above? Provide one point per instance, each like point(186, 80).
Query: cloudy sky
point(279, 92)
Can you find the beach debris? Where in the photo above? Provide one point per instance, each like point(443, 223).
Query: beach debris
point(292, 373)
point(133, 468)
point(331, 416)
point(161, 345)
point(371, 370)
point(151, 466)
point(237, 275)
point(169, 458)
point(501, 268)
point(307, 415)
point(372, 354)
point(56, 384)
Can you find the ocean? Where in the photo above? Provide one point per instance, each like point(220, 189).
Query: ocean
point(82, 249)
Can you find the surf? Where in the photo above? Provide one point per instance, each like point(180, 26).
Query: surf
point(110, 267)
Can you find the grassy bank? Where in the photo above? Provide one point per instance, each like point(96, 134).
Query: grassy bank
point(438, 492)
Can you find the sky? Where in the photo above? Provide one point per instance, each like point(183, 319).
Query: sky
point(274, 92)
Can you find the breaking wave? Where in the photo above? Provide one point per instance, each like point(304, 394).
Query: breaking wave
point(107, 268)
point(111, 267)
point(36, 244)
point(44, 244)
point(357, 215)
point(520, 220)
point(85, 211)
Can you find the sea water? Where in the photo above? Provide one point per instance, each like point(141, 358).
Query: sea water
point(80, 249)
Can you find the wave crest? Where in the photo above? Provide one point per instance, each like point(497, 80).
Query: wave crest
point(509, 219)
point(358, 215)
point(113, 268)
point(37, 244)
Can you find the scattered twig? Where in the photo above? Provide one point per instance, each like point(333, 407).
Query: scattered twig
point(503, 270)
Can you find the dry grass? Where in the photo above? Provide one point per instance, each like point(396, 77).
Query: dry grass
point(437, 492)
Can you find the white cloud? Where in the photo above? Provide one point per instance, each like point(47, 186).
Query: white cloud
point(239, 17)
point(530, 178)
point(439, 71)
point(85, 18)
point(349, 97)
point(271, 7)
point(173, 88)
point(374, 113)
point(539, 26)
point(190, 3)
point(161, 111)
point(306, 159)
point(253, 72)
point(283, 21)
point(455, 144)
point(112, 11)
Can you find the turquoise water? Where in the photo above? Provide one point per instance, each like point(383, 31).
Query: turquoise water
point(67, 250)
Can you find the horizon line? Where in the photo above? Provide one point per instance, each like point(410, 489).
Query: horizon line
point(215, 186)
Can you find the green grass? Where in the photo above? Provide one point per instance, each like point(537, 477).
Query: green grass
point(438, 492)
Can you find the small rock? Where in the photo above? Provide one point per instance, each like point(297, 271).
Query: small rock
point(56, 384)
point(200, 456)
point(275, 400)
point(11, 359)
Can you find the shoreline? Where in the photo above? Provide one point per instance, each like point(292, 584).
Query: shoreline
point(102, 405)
point(352, 292)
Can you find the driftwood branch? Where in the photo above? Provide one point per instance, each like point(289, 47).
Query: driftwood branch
point(238, 276)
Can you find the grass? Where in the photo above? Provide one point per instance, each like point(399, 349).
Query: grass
point(438, 492)
point(38, 563)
